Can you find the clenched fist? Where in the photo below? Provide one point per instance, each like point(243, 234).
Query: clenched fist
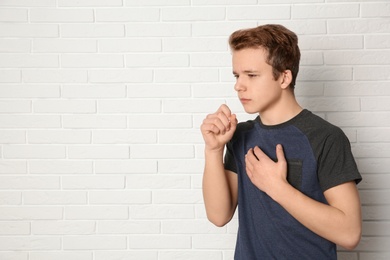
point(218, 128)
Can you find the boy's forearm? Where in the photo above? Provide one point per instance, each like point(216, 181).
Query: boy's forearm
point(217, 193)
point(341, 225)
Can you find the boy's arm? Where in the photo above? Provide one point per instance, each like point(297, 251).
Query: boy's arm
point(339, 222)
point(219, 186)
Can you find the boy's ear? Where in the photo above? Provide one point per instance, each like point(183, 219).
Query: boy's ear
point(286, 78)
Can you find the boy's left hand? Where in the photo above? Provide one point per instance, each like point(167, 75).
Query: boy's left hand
point(265, 174)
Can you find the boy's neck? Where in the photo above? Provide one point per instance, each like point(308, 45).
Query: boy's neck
point(283, 112)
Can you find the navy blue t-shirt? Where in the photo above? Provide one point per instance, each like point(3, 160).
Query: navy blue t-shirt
point(319, 157)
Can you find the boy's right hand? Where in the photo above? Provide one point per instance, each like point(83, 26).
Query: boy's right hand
point(218, 128)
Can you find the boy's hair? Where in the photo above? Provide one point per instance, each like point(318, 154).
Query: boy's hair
point(280, 43)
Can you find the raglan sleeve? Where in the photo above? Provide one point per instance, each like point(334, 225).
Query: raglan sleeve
point(336, 163)
point(229, 161)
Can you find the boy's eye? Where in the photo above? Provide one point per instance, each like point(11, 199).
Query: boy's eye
point(252, 75)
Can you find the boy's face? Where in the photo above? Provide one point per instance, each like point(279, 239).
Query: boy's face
point(256, 86)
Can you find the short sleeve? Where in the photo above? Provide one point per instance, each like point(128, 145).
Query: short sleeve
point(336, 163)
point(229, 161)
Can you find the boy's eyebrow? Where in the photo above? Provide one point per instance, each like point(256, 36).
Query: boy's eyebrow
point(247, 72)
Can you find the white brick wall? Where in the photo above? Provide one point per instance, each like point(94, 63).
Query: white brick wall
point(101, 156)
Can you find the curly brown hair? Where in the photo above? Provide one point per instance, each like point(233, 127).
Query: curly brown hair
point(280, 43)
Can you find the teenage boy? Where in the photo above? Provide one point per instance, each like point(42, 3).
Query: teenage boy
point(291, 173)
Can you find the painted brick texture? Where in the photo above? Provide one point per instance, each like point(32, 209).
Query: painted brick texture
point(101, 156)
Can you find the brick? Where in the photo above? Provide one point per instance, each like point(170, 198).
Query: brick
point(375, 10)
point(94, 91)
point(98, 152)
point(29, 91)
point(15, 45)
point(325, 11)
point(30, 243)
point(60, 167)
point(96, 213)
point(214, 241)
point(129, 106)
point(157, 60)
point(373, 135)
point(191, 255)
point(193, 13)
point(14, 228)
point(89, 3)
point(129, 227)
point(360, 119)
point(177, 197)
point(60, 255)
point(135, 254)
point(54, 76)
point(210, 59)
point(356, 26)
point(357, 57)
point(25, 30)
point(31, 213)
point(63, 228)
point(49, 15)
point(157, 181)
point(92, 61)
point(185, 75)
point(161, 151)
point(190, 227)
point(159, 90)
point(64, 106)
point(375, 104)
point(254, 12)
point(30, 121)
point(59, 136)
point(195, 45)
point(59, 45)
point(13, 15)
point(54, 197)
point(128, 15)
point(221, 28)
point(147, 212)
point(181, 166)
point(119, 197)
point(121, 76)
point(158, 30)
point(15, 106)
point(126, 166)
point(159, 121)
point(189, 136)
point(129, 45)
point(10, 76)
point(159, 242)
point(371, 73)
point(28, 183)
point(92, 182)
point(30, 3)
point(331, 104)
point(34, 152)
point(10, 198)
point(13, 167)
point(93, 121)
point(12, 137)
point(334, 42)
point(190, 105)
point(377, 41)
point(92, 30)
point(124, 136)
point(325, 73)
point(356, 88)
point(94, 242)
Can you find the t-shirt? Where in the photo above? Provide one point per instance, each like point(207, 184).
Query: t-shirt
point(319, 157)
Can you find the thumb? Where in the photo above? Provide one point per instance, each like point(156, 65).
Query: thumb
point(280, 153)
point(233, 122)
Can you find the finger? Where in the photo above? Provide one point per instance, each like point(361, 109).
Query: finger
point(213, 124)
point(280, 153)
point(251, 157)
point(259, 153)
